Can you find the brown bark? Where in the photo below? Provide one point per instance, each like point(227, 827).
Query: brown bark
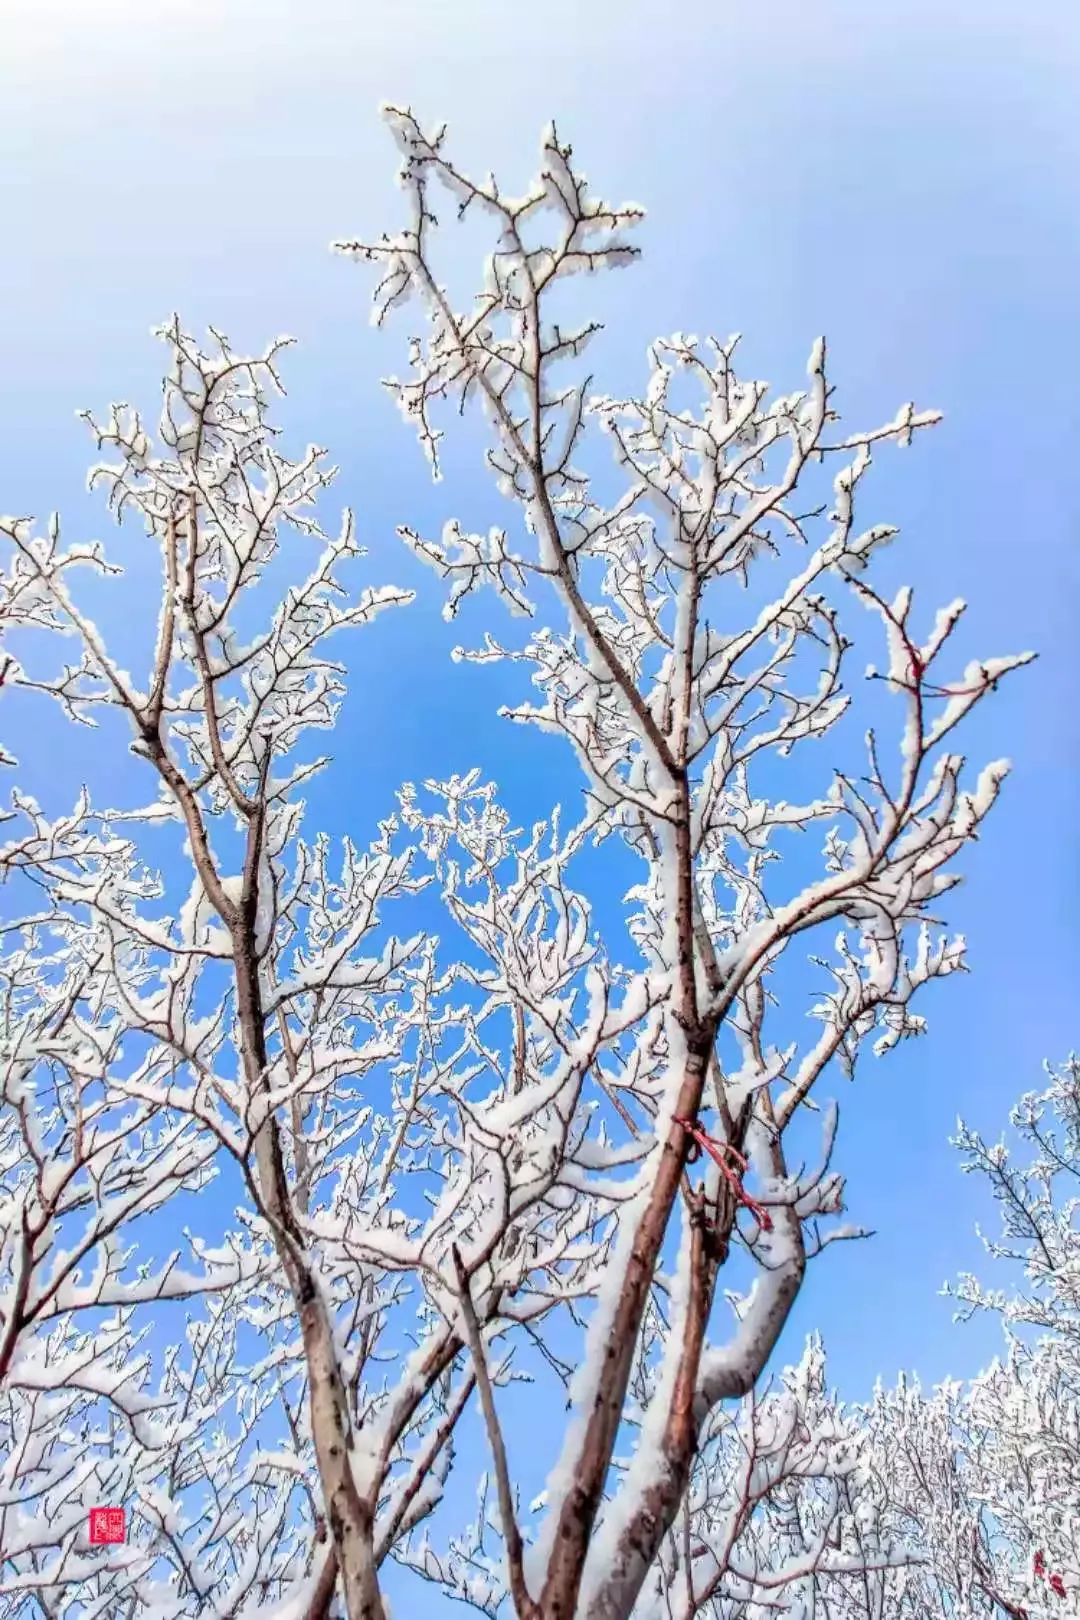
point(558, 1599)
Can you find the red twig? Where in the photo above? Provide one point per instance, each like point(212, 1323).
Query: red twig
point(720, 1153)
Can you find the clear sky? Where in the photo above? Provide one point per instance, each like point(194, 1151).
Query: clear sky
point(902, 178)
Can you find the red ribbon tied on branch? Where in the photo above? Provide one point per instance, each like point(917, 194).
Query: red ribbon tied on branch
point(1053, 1580)
point(720, 1153)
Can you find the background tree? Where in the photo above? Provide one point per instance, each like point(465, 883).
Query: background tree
point(984, 1478)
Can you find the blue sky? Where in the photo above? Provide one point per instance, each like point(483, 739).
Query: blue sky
point(902, 178)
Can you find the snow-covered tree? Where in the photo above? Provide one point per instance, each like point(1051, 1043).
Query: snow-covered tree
point(983, 1479)
point(534, 1152)
point(679, 695)
point(143, 1049)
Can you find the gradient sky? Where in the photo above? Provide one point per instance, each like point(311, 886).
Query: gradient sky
point(902, 178)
